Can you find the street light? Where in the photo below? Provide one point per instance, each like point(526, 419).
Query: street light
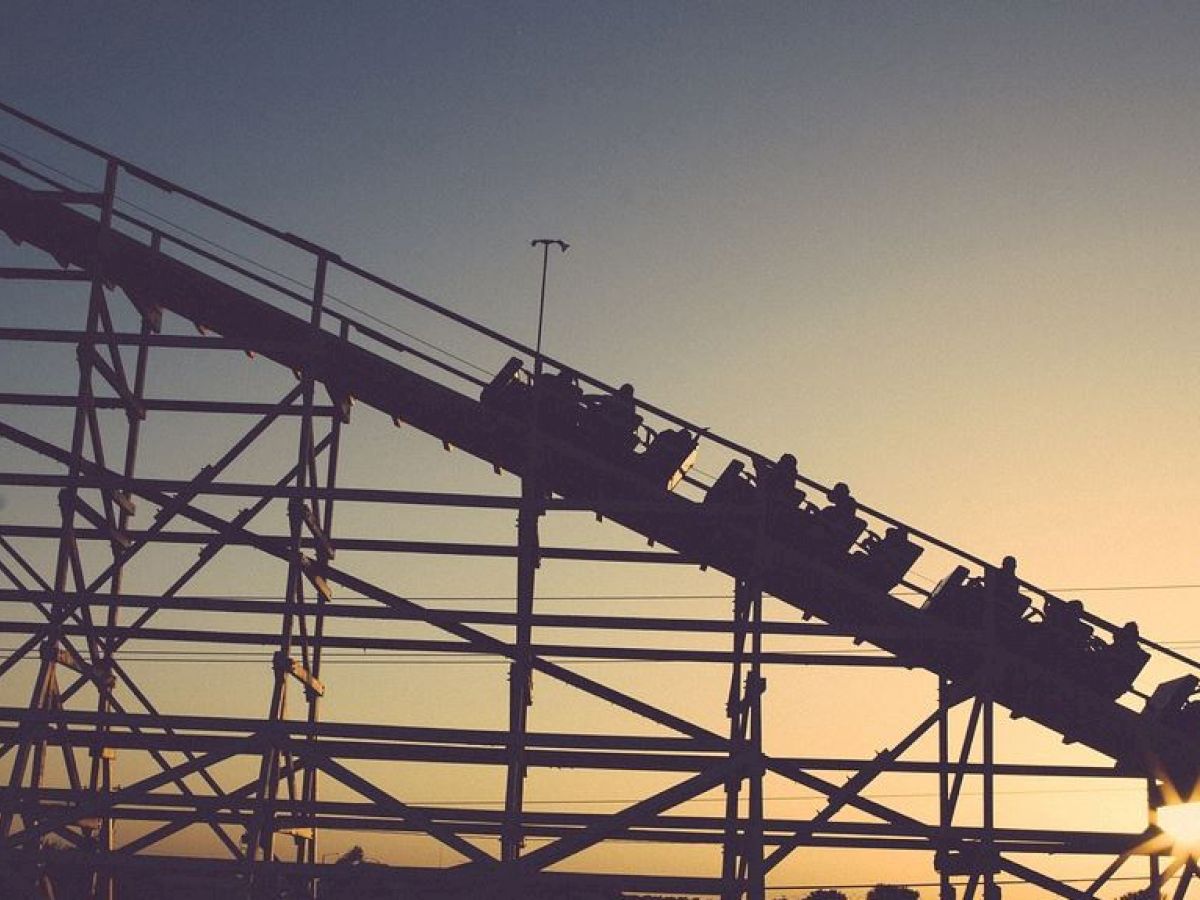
point(546, 243)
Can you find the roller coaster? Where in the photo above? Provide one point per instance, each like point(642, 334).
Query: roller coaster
point(801, 559)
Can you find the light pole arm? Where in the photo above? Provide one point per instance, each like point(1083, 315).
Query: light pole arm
point(545, 244)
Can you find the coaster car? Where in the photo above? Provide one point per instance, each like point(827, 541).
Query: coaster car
point(883, 562)
point(1172, 705)
point(1120, 662)
point(669, 456)
point(837, 526)
point(510, 390)
point(607, 425)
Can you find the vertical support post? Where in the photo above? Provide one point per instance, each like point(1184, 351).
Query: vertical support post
point(105, 888)
point(31, 751)
point(979, 860)
point(945, 809)
point(991, 890)
point(731, 854)
point(302, 511)
point(1153, 801)
point(743, 869)
point(306, 840)
point(309, 789)
point(756, 685)
point(520, 672)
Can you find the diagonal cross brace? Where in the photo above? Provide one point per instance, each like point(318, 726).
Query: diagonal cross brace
point(316, 758)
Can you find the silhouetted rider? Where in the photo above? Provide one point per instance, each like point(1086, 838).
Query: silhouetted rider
point(613, 418)
point(778, 481)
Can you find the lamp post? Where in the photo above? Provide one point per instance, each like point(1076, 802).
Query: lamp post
point(545, 243)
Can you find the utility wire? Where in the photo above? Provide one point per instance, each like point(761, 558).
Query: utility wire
point(809, 798)
point(330, 659)
point(591, 597)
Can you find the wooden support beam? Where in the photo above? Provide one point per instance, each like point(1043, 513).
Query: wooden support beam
point(325, 547)
point(63, 658)
point(133, 404)
point(91, 198)
point(342, 401)
point(30, 274)
point(99, 521)
point(121, 498)
point(290, 666)
point(312, 572)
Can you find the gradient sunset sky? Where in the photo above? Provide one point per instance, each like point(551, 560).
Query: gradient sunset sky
point(945, 252)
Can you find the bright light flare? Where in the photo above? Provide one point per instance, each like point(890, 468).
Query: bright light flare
point(1181, 822)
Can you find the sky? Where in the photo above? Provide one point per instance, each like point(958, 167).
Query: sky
point(941, 252)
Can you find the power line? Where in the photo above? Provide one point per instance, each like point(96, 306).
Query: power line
point(593, 597)
point(431, 657)
point(216, 657)
point(910, 795)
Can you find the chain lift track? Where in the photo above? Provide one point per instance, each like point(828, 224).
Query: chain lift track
point(981, 652)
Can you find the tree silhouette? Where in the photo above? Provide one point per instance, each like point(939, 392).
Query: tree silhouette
point(825, 894)
point(1143, 894)
point(892, 892)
